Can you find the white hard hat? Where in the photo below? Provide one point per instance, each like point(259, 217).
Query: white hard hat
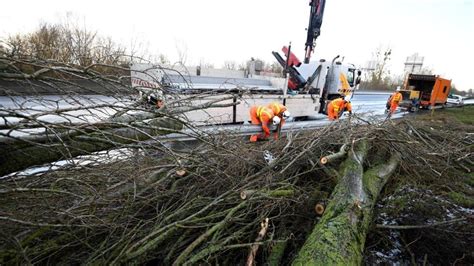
point(276, 120)
point(398, 88)
point(286, 114)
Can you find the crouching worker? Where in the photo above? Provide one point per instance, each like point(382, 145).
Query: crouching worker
point(282, 112)
point(261, 115)
point(337, 106)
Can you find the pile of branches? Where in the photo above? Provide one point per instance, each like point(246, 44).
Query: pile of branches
point(223, 201)
point(169, 206)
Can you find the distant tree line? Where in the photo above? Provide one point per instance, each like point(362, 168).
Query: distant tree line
point(65, 43)
point(78, 46)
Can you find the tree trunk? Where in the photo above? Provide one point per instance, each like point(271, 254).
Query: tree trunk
point(340, 235)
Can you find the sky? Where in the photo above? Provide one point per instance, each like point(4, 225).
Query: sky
point(214, 31)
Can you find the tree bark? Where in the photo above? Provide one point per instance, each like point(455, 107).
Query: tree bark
point(340, 235)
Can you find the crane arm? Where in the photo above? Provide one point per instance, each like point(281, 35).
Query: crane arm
point(314, 27)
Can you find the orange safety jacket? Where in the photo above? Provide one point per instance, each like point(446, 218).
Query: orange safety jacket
point(336, 106)
point(277, 108)
point(396, 98)
point(261, 115)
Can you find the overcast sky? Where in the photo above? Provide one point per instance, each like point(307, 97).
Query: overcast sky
point(214, 31)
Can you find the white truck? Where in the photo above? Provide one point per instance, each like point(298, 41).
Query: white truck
point(325, 81)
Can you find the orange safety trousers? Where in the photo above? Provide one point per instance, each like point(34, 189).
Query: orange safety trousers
point(393, 107)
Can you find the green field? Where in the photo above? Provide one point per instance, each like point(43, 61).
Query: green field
point(463, 114)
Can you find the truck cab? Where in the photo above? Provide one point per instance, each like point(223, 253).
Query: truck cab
point(330, 80)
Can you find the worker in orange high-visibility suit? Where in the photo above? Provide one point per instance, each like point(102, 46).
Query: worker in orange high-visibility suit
point(394, 101)
point(282, 112)
point(337, 106)
point(262, 115)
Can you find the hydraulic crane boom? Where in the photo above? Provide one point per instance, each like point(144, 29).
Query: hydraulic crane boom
point(314, 27)
point(296, 81)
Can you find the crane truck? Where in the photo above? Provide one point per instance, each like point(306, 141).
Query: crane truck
point(309, 86)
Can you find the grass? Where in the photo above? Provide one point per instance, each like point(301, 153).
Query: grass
point(464, 114)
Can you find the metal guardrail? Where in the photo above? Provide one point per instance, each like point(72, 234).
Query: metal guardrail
point(249, 129)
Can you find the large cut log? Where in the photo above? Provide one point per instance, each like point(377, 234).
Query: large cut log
point(14, 158)
point(340, 235)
